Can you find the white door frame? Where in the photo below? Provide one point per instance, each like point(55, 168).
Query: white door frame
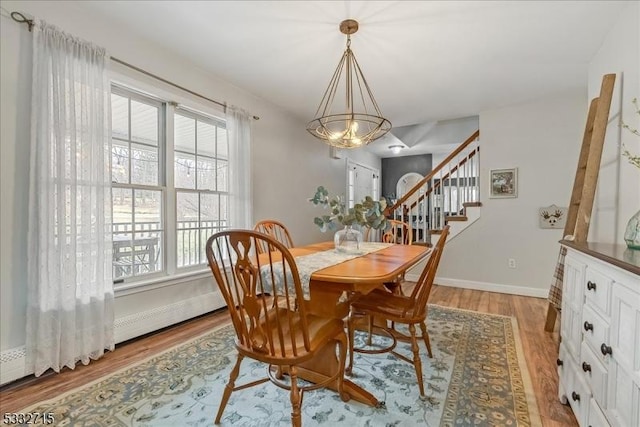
point(350, 164)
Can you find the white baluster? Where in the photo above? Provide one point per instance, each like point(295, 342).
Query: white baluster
point(449, 188)
point(458, 195)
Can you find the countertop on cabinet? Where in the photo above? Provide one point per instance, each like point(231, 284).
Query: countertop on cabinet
point(618, 255)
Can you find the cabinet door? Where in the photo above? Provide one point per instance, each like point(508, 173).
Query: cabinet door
point(625, 329)
point(596, 417)
point(565, 378)
point(623, 404)
point(624, 362)
point(572, 302)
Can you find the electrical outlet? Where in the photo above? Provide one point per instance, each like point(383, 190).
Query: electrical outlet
point(512, 263)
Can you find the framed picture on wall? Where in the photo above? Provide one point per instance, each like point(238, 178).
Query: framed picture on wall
point(504, 183)
point(552, 217)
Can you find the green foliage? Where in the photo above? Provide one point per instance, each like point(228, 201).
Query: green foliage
point(367, 213)
point(634, 160)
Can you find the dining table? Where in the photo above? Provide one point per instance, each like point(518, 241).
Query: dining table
point(333, 287)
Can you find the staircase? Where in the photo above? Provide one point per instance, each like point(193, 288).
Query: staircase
point(449, 194)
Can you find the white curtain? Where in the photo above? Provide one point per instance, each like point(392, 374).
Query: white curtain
point(70, 290)
point(239, 134)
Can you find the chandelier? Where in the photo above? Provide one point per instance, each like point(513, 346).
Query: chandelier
point(356, 122)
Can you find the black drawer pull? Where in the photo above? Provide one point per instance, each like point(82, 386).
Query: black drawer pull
point(559, 362)
point(586, 367)
point(591, 286)
point(588, 326)
point(605, 349)
point(575, 396)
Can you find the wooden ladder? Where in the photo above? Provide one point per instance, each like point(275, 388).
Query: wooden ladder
point(586, 179)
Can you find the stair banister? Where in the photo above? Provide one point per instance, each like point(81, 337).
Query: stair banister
point(454, 169)
point(432, 174)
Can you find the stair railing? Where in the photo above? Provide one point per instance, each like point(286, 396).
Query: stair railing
point(441, 195)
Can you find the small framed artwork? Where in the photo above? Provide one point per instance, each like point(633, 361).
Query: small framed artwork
point(504, 183)
point(552, 217)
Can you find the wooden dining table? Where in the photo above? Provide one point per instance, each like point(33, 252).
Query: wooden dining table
point(333, 288)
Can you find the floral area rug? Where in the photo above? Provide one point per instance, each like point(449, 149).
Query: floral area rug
point(477, 377)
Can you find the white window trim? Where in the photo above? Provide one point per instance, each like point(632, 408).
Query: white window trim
point(132, 80)
point(136, 95)
point(203, 118)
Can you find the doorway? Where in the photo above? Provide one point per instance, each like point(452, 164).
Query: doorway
point(362, 181)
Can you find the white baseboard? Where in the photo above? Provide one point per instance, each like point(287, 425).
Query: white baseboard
point(487, 287)
point(13, 361)
point(144, 322)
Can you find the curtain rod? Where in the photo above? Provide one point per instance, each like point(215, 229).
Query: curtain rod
point(21, 19)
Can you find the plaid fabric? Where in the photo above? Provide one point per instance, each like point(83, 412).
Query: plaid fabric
point(555, 292)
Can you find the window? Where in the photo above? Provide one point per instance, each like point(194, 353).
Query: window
point(137, 147)
point(156, 172)
point(201, 171)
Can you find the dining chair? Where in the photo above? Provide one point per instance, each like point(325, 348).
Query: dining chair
point(401, 233)
point(275, 229)
point(398, 232)
point(271, 322)
point(391, 309)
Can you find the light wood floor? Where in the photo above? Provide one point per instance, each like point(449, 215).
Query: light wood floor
point(540, 348)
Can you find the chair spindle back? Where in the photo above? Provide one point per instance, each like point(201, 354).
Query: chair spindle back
point(263, 292)
point(423, 287)
point(275, 229)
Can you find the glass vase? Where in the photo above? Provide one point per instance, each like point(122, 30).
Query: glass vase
point(347, 240)
point(632, 232)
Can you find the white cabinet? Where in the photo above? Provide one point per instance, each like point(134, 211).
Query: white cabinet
point(599, 358)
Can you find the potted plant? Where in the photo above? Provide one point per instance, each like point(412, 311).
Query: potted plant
point(367, 213)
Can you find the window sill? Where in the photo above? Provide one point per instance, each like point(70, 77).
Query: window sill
point(124, 289)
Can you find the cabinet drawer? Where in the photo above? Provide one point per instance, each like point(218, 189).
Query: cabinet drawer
point(597, 289)
point(594, 373)
point(595, 330)
point(596, 417)
point(579, 397)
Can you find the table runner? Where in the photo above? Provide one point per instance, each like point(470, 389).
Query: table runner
point(308, 264)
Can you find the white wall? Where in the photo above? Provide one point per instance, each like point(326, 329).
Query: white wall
point(542, 139)
point(447, 135)
point(288, 164)
point(618, 196)
point(15, 93)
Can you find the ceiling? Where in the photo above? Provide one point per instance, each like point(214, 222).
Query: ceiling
point(425, 61)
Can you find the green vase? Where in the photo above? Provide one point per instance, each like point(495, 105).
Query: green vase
point(632, 232)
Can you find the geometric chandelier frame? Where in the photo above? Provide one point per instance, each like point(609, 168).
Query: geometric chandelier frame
point(354, 120)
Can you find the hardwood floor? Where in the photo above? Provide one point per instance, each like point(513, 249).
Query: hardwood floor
point(540, 348)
